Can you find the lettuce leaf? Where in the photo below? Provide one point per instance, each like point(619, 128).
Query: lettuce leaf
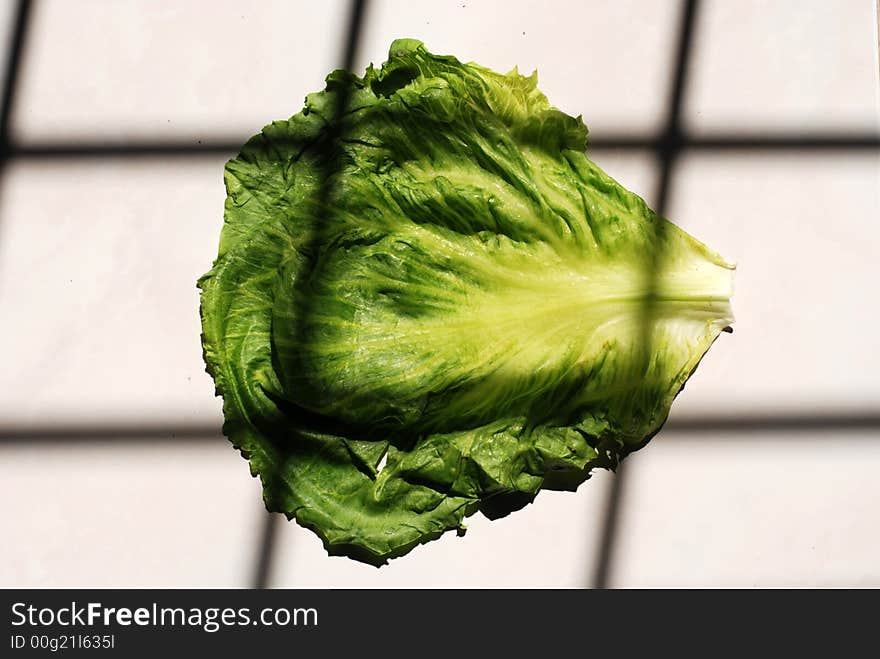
point(429, 302)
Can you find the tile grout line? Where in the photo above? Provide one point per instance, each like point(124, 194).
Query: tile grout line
point(266, 556)
point(172, 432)
point(820, 142)
point(668, 153)
point(14, 56)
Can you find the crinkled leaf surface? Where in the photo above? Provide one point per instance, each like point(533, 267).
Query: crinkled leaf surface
point(423, 269)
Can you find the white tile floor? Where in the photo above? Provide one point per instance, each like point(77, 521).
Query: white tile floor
point(785, 65)
point(134, 515)
point(171, 70)
point(584, 72)
point(98, 260)
point(787, 510)
point(803, 231)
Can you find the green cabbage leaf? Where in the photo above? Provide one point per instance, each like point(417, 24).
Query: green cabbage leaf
point(429, 302)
